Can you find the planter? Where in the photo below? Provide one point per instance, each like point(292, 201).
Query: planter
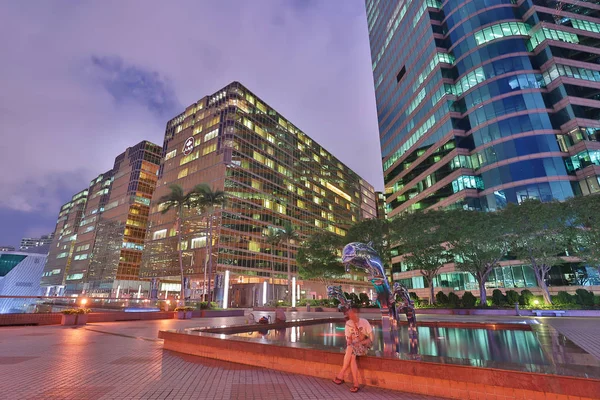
point(74, 319)
point(183, 315)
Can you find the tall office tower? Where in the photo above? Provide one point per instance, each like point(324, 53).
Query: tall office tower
point(109, 237)
point(485, 102)
point(62, 246)
point(29, 243)
point(272, 173)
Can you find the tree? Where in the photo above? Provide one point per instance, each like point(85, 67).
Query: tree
point(585, 212)
point(540, 233)
point(177, 200)
point(287, 235)
point(478, 241)
point(318, 257)
point(421, 238)
point(208, 200)
point(272, 238)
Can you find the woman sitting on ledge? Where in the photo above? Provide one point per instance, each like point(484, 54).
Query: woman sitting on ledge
point(359, 339)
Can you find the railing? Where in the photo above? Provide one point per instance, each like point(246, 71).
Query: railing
point(43, 304)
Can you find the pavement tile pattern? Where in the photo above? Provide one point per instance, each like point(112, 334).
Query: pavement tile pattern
point(65, 363)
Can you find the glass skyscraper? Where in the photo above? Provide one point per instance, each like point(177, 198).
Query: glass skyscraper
point(485, 102)
point(272, 173)
point(99, 236)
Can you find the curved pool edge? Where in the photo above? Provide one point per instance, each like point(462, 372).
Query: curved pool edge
point(422, 377)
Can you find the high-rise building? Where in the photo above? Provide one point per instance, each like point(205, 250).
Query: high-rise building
point(486, 102)
point(28, 243)
point(7, 248)
point(481, 103)
point(272, 173)
point(108, 239)
point(62, 246)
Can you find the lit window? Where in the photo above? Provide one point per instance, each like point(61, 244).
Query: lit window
point(161, 234)
point(182, 174)
point(211, 135)
point(258, 157)
point(254, 246)
point(189, 157)
point(198, 242)
point(209, 149)
point(171, 154)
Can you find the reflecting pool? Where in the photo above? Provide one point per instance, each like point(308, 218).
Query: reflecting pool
point(498, 345)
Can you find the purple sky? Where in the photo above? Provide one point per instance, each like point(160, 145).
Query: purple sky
point(82, 81)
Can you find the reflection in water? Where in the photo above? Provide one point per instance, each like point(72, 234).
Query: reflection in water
point(477, 345)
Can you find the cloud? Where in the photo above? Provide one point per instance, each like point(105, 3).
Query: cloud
point(84, 80)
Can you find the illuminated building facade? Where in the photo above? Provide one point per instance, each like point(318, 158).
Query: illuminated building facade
point(42, 241)
point(272, 173)
point(485, 102)
point(62, 246)
point(107, 247)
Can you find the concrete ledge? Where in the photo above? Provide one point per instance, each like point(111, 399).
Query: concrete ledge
point(55, 318)
point(508, 312)
point(30, 319)
point(444, 380)
point(217, 313)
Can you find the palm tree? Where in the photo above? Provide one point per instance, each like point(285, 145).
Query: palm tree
point(207, 200)
point(178, 200)
point(287, 234)
point(273, 238)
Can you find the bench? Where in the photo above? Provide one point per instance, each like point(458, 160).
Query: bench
point(556, 313)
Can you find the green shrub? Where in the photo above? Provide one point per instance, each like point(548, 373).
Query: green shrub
point(597, 300)
point(526, 297)
point(584, 297)
point(512, 297)
point(563, 298)
point(498, 297)
point(413, 296)
point(468, 300)
point(453, 299)
point(186, 308)
point(364, 299)
point(75, 311)
point(441, 298)
point(335, 302)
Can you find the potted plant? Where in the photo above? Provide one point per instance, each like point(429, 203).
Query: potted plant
point(75, 316)
point(183, 312)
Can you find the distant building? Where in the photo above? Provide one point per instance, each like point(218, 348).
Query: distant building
point(7, 248)
point(28, 243)
point(20, 275)
point(272, 174)
point(381, 207)
point(100, 235)
point(61, 248)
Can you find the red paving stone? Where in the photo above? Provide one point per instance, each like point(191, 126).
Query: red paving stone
point(584, 332)
point(63, 363)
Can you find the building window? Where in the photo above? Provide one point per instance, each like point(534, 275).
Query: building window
point(161, 234)
point(211, 135)
point(198, 242)
point(170, 154)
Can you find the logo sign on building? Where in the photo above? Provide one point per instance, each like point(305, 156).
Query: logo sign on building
point(188, 146)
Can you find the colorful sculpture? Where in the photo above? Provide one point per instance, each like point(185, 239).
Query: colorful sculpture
point(336, 292)
point(363, 256)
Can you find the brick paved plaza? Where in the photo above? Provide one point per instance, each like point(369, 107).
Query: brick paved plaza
point(60, 363)
point(125, 360)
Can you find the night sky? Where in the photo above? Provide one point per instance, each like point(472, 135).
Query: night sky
point(80, 81)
